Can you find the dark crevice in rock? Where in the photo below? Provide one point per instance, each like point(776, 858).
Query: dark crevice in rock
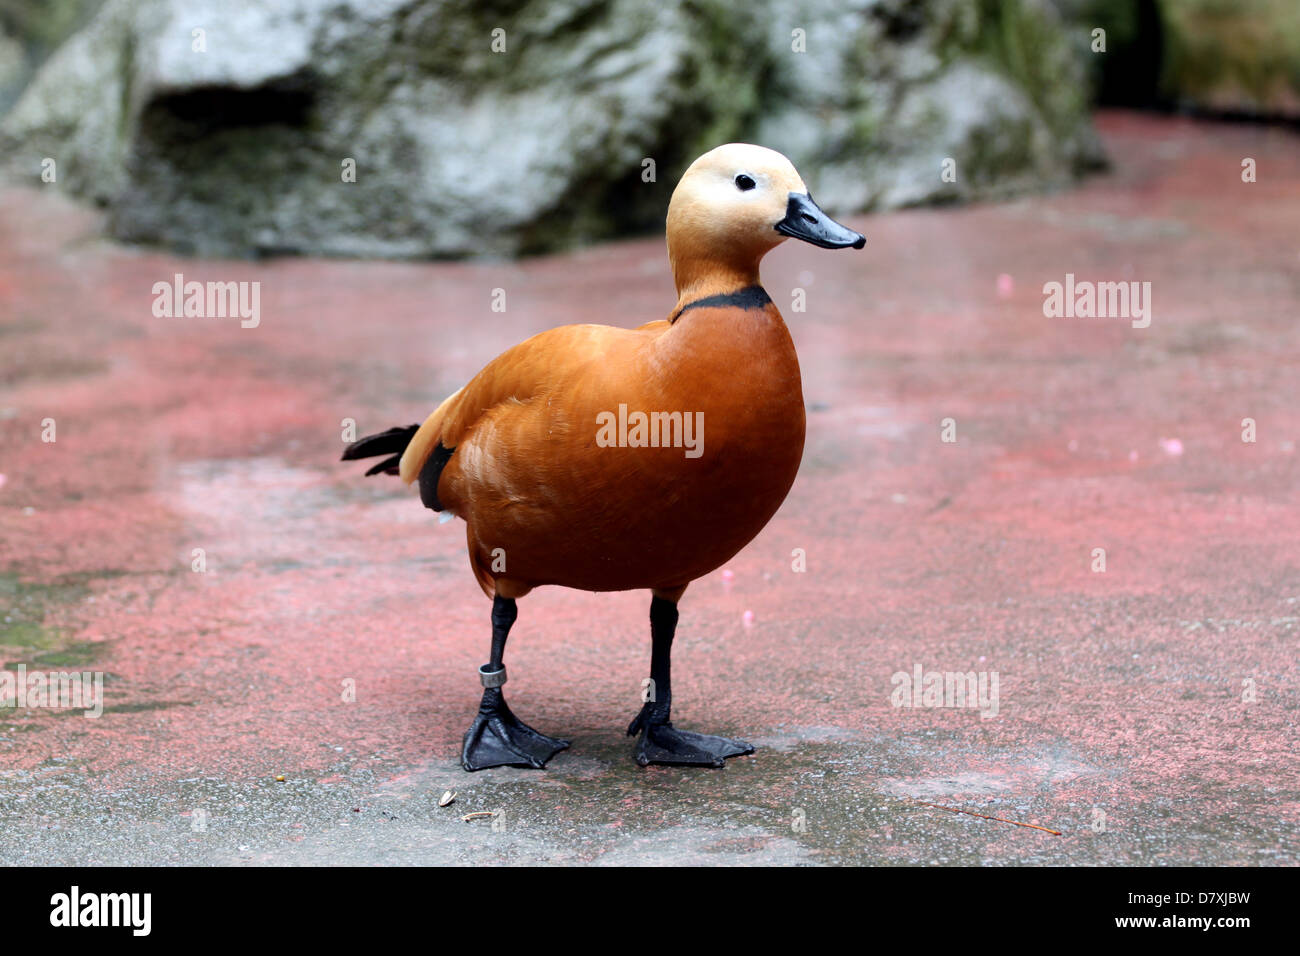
point(1131, 69)
point(214, 108)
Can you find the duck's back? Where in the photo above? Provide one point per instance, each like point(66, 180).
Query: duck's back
point(555, 466)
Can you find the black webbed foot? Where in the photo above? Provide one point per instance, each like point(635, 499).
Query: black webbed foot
point(662, 743)
point(498, 738)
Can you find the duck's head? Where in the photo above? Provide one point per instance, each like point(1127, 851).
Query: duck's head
point(733, 205)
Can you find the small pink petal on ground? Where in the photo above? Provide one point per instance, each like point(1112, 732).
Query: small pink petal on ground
point(3, 479)
point(748, 618)
point(1172, 446)
point(1133, 455)
point(1006, 286)
point(727, 574)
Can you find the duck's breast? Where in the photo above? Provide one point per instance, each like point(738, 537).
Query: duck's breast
point(737, 370)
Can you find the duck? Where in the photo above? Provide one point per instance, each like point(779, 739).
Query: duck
point(609, 458)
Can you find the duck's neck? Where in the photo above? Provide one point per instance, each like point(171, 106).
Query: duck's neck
point(701, 278)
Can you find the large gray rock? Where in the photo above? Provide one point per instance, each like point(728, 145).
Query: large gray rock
point(13, 66)
point(29, 31)
point(238, 148)
point(888, 90)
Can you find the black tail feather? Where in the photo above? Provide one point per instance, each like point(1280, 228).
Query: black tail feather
point(388, 466)
point(392, 442)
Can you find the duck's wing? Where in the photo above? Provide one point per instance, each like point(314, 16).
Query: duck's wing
point(535, 366)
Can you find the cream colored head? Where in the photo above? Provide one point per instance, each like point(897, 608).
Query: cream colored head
point(733, 205)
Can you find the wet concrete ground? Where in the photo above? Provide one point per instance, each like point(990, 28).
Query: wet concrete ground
point(1120, 692)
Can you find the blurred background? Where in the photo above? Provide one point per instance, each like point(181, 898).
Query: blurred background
point(220, 127)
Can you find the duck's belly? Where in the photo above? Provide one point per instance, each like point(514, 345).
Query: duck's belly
point(688, 524)
point(616, 517)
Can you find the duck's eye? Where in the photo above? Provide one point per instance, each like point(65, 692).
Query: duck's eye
point(745, 183)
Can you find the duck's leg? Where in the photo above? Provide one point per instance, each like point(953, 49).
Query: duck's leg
point(660, 741)
point(498, 738)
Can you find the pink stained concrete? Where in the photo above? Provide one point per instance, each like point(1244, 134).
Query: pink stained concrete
point(1119, 689)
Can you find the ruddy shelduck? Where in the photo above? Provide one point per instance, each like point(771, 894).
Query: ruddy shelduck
point(608, 459)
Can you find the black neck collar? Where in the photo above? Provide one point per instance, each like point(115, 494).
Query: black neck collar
point(750, 297)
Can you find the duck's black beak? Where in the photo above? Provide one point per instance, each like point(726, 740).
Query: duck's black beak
point(805, 220)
